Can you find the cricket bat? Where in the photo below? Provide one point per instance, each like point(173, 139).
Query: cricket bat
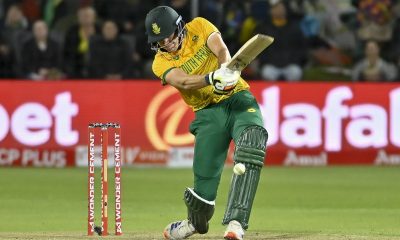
point(249, 51)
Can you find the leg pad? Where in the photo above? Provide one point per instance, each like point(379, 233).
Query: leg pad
point(250, 150)
point(200, 210)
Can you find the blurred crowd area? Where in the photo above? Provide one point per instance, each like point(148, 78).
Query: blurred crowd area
point(349, 40)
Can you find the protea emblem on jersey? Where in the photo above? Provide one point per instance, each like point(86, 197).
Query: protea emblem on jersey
point(156, 28)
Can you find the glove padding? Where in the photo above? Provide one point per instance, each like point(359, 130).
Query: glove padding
point(223, 80)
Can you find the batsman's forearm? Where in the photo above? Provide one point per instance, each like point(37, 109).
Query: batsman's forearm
point(223, 56)
point(194, 82)
point(179, 79)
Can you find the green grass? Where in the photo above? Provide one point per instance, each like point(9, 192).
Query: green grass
point(291, 203)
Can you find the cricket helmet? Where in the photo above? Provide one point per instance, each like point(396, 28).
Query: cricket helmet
point(161, 22)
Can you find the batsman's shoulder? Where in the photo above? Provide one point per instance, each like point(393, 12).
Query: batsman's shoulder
point(200, 21)
point(201, 25)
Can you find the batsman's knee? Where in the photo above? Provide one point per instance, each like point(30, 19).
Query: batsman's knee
point(200, 210)
point(251, 146)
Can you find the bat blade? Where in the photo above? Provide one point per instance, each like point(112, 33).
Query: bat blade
point(249, 51)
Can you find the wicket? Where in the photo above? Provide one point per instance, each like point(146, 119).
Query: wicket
point(104, 130)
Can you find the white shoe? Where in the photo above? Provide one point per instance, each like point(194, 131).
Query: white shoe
point(234, 231)
point(179, 230)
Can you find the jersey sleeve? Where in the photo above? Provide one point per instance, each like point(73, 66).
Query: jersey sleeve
point(161, 67)
point(205, 26)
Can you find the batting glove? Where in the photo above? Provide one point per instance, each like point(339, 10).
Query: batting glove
point(224, 80)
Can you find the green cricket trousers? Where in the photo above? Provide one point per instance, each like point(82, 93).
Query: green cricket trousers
point(214, 127)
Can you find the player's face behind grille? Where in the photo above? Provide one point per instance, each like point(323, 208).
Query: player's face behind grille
point(169, 44)
point(173, 42)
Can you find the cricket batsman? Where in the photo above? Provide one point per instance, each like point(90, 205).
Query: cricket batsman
point(192, 57)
